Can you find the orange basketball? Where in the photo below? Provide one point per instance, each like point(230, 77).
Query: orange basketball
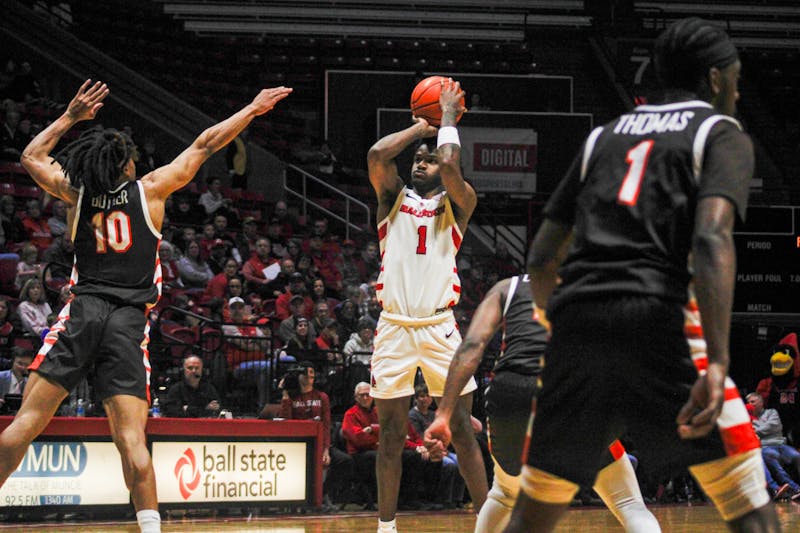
point(425, 100)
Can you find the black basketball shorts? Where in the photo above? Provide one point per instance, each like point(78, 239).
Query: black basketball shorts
point(94, 333)
point(613, 367)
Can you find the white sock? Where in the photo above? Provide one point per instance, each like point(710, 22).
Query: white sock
point(149, 521)
point(387, 527)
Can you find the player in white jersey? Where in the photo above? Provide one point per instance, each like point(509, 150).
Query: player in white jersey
point(420, 229)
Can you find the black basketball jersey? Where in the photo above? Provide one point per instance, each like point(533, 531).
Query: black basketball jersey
point(631, 196)
point(116, 247)
point(524, 339)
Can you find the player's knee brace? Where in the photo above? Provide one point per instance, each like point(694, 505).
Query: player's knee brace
point(546, 488)
point(735, 484)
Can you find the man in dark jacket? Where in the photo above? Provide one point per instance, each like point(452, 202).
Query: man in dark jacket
point(192, 397)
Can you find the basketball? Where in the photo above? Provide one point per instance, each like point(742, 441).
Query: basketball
point(425, 100)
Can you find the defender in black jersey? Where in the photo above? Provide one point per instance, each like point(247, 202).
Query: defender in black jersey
point(116, 222)
point(647, 188)
point(508, 307)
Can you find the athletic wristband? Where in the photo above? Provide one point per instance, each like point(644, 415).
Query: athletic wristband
point(447, 135)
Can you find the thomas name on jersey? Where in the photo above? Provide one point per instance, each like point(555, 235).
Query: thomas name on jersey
point(105, 201)
point(646, 123)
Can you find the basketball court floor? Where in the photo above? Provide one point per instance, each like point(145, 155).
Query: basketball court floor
point(678, 518)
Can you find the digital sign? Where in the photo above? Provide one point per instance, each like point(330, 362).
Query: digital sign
point(66, 473)
point(768, 261)
point(230, 471)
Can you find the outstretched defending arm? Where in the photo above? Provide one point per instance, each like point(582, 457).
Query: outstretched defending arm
point(167, 179)
point(45, 171)
point(487, 319)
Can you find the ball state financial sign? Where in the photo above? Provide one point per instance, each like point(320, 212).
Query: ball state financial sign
point(230, 471)
point(500, 159)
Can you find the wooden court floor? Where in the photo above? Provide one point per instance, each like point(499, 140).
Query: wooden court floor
point(673, 518)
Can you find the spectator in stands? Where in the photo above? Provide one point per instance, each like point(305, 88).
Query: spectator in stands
point(308, 403)
point(236, 288)
point(28, 267)
point(352, 266)
point(245, 240)
point(305, 266)
point(347, 315)
point(186, 235)
point(13, 381)
point(170, 273)
point(207, 240)
point(297, 287)
point(358, 348)
point(33, 308)
point(372, 259)
point(214, 203)
point(275, 234)
point(297, 306)
point(450, 489)
point(60, 256)
point(329, 245)
point(10, 147)
point(194, 271)
point(36, 228)
point(288, 222)
point(322, 314)
point(361, 431)
point(221, 231)
point(319, 293)
point(255, 267)
point(278, 286)
point(299, 345)
point(293, 250)
point(324, 264)
point(219, 256)
point(7, 330)
point(58, 221)
point(13, 227)
point(327, 343)
point(243, 341)
point(183, 213)
point(218, 285)
point(150, 159)
point(24, 87)
point(192, 397)
point(774, 450)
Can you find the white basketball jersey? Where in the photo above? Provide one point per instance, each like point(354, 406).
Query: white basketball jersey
point(419, 240)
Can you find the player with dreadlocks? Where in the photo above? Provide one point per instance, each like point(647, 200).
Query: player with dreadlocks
point(609, 265)
point(116, 221)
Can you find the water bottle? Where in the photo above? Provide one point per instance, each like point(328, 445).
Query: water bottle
point(80, 410)
point(156, 410)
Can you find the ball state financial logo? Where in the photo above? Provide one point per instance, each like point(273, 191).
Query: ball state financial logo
point(187, 474)
point(502, 157)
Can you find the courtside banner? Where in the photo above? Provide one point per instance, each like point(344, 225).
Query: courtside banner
point(67, 473)
point(500, 159)
point(230, 471)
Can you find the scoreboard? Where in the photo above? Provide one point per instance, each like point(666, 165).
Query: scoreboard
point(768, 261)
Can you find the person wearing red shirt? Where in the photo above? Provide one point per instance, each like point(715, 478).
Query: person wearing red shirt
point(361, 431)
point(253, 268)
point(308, 403)
point(36, 227)
point(297, 285)
point(218, 286)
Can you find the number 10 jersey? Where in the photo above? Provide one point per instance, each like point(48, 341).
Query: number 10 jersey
point(116, 247)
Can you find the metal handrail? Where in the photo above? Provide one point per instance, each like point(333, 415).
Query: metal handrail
point(348, 200)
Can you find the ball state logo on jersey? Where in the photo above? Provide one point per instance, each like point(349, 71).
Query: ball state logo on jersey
point(187, 474)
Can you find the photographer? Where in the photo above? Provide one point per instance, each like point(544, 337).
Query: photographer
point(301, 401)
point(192, 397)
